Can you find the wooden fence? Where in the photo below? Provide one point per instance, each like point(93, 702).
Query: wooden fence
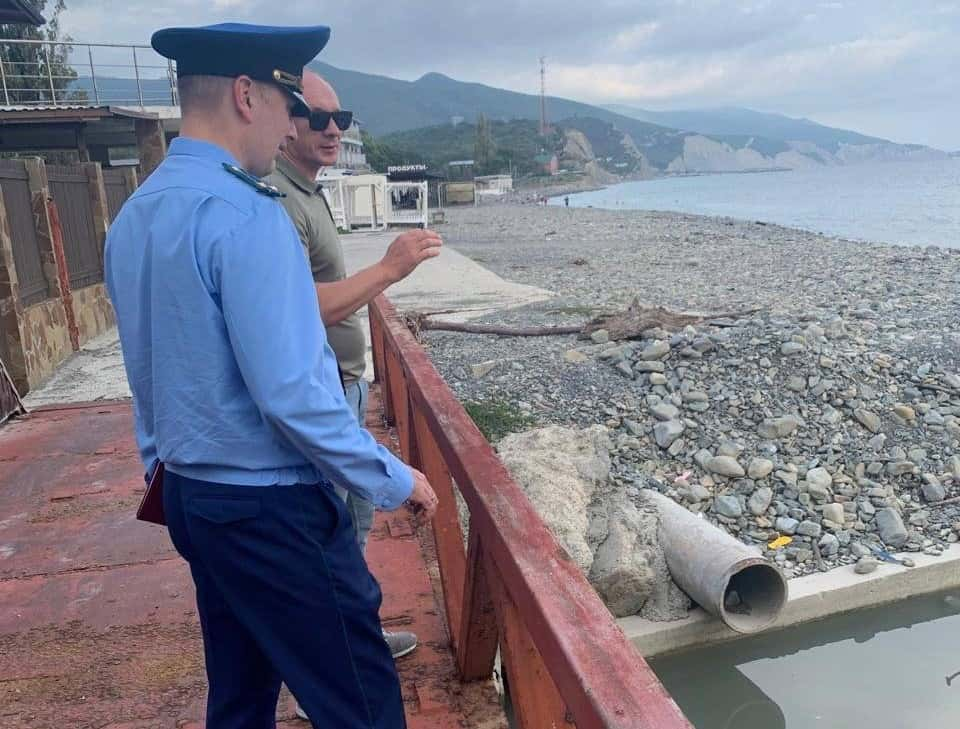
point(566, 660)
point(15, 187)
point(70, 189)
point(119, 185)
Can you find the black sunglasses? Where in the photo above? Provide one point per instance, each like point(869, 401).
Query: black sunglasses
point(320, 120)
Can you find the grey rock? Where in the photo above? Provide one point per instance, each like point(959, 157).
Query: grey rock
point(621, 571)
point(906, 412)
point(787, 477)
point(575, 356)
point(835, 513)
point(933, 490)
point(702, 457)
point(728, 505)
point(773, 428)
point(900, 468)
point(665, 411)
point(869, 420)
point(624, 369)
point(831, 416)
point(482, 369)
point(797, 384)
point(614, 354)
point(657, 350)
point(890, 526)
point(699, 492)
point(633, 427)
point(819, 478)
point(759, 468)
point(933, 418)
point(877, 442)
point(786, 525)
point(600, 336)
point(791, 348)
point(951, 380)
point(666, 433)
point(858, 550)
point(760, 500)
point(954, 466)
point(725, 466)
point(829, 545)
point(865, 565)
point(648, 366)
point(809, 529)
point(657, 378)
point(729, 448)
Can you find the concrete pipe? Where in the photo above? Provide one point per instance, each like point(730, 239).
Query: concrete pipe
point(726, 578)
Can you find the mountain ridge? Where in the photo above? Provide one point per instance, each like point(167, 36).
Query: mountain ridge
point(723, 139)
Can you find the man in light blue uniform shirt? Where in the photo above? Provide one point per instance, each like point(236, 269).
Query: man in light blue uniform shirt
point(237, 393)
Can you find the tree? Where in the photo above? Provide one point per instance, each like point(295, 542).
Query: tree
point(31, 69)
point(379, 154)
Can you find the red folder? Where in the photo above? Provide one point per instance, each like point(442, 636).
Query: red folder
point(151, 507)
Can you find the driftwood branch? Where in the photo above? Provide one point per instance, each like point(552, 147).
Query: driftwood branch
point(628, 324)
point(504, 331)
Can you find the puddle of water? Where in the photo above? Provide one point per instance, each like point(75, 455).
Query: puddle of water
point(893, 667)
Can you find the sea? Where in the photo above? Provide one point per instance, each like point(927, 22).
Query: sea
point(904, 203)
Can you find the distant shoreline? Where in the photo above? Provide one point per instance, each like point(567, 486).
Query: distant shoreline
point(902, 204)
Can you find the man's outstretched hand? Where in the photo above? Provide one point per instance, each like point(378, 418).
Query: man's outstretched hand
point(408, 251)
point(422, 500)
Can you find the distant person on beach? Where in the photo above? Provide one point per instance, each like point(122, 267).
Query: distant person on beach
point(566, 201)
point(320, 123)
point(237, 397)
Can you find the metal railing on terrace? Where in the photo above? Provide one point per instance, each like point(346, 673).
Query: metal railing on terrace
point(39, 73)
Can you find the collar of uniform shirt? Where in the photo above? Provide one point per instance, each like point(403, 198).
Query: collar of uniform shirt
point(199, 148)
point(287, 169)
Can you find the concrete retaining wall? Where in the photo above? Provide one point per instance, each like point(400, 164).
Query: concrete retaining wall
point(811, 598)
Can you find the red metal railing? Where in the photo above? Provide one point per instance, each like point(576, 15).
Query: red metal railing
point(566, 660)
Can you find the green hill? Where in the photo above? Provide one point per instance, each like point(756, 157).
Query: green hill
point(514, 144)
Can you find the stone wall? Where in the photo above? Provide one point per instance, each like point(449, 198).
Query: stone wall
point(34, 340)
point(93, 312)
point(46, 338)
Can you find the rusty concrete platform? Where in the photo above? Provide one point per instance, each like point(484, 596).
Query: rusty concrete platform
point(98, 626)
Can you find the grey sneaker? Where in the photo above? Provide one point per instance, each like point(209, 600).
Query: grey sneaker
point(401, 643)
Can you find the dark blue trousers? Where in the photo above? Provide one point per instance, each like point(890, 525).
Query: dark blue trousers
point(283, 594)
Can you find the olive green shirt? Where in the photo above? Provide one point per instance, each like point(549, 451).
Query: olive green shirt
point(311, 216)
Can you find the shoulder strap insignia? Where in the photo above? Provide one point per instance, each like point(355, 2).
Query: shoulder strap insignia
point(255, 182)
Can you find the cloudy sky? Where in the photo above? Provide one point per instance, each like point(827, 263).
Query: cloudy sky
point(890, 68)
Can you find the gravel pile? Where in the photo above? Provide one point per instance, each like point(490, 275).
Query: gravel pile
point(831, 415)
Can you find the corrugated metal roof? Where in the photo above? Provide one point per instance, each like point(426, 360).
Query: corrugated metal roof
point(51, 107)
point(68, 110)
point(19, 11)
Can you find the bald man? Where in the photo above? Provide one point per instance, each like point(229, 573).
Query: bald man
point(320, 125)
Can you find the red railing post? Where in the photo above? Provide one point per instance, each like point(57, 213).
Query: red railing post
point(535, 698)
point(478, 633)
point(446, 524)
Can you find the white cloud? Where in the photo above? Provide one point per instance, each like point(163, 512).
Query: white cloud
point(632, 38)
point(885, 56)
